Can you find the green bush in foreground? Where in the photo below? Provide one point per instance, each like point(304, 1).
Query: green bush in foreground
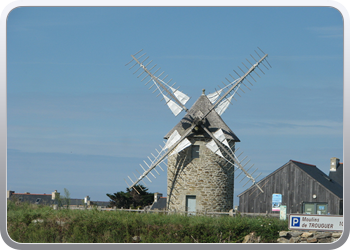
point(93, 226)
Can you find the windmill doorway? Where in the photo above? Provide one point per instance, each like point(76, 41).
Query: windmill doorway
point(191, 204)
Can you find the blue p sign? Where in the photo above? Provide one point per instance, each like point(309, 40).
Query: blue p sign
point(295, 221)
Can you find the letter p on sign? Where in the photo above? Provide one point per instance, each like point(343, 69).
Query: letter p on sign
point(295, 221)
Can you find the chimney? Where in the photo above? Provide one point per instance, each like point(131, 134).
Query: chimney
point(54, 195)
point(334, 164)
point(157, 196)
point(9, 193)
point(87, 200)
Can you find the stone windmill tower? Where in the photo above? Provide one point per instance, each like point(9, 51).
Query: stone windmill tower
point(198, 178)
point(200, 149)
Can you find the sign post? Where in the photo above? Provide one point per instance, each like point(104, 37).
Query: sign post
point(283, 212)
point(316, 222)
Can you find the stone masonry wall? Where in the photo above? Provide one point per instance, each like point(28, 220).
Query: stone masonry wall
point(308, 237)
point(207, 177)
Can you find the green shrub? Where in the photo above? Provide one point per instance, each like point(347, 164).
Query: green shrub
point(93, 226)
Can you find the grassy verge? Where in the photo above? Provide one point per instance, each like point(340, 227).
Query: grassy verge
point(41, 224)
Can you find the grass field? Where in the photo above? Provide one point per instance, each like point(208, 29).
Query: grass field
point(28, 223)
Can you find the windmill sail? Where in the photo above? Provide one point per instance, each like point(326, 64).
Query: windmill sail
point(176, 109)
point(219, 140)
point(180, 96)
point(214, 96)
point(219, 135)
point(223, 105)
point(175, 136)
point(214, 148)
point(174, 98)
point(176, 101)
point(177, 144)
point(184, 144)
point(236, 85)
point(220, 109)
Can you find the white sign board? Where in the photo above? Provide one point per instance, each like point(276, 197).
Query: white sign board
point(276, 202)
point(316, 222)
point(283, 212)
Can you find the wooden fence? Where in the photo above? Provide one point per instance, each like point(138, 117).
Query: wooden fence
point(205, 213)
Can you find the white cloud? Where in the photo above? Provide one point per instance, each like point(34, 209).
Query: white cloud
point(308, 57)
point(328, 31)
point(293, 127)
point(199, 57)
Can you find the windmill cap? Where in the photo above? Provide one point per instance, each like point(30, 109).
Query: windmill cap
point(213, 120)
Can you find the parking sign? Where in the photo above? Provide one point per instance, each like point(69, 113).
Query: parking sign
point(295, 221)
point(316, 222)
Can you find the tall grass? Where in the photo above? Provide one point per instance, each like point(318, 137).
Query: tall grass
point(93, 226)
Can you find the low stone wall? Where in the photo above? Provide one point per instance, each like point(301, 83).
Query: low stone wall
point(308, 237)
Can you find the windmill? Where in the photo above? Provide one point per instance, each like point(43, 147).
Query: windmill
point(200, 150)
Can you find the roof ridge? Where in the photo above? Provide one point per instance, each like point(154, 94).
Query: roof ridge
point(31, 194)
point(303, 163)
point(267, 176)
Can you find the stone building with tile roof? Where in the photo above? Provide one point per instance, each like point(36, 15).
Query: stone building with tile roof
point(49, 199)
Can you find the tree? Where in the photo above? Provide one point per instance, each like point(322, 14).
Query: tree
point(131, 198)
point(120, 199)
point(66, 197)
point(63, 200)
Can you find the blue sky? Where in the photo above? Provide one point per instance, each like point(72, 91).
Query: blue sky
point(79, 119)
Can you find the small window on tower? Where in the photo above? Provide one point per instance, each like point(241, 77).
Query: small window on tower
point(195, 151)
